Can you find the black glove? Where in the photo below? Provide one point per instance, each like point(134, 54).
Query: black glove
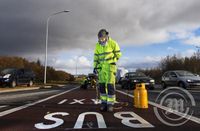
point(95, 71)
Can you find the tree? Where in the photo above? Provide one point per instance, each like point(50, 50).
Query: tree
point(174, 62)
point(38, 69)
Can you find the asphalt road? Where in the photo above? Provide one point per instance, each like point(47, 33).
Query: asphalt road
point(71, 108)
point(153, 94)
point(195, 93)
point(14, 99)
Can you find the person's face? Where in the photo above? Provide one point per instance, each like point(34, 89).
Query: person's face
point(103, 40)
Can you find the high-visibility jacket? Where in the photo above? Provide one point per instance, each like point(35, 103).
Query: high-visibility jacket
point(107, 54)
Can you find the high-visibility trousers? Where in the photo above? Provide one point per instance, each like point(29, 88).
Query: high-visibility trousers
point(107, 84)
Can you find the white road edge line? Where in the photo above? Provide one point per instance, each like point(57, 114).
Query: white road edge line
point(193, 91)
point(63, 101)
point(158, 91)
point(192, 118)
point(31, 104)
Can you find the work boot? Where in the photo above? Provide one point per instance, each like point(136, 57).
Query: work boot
point(110, 108)
point(103, 107)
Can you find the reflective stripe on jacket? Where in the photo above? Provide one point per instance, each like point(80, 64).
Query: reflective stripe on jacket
point(108, 54)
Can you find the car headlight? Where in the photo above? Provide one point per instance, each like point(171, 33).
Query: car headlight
point(152, 81)
point(6, 76)
point(135, 81)
point(189, 80)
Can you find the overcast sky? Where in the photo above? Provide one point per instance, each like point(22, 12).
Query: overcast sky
point(146, 30)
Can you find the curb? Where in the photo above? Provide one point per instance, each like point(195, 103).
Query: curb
point(30, 88)
point(22, 89)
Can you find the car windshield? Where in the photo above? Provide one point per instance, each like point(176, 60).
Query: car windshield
point(7, 71)
point(184, 73)
point(136, 74)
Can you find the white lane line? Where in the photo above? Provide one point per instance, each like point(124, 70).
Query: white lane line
point(31, 104)
point(3, 106)
point(194, 91)
point(63, 101)
point(192, 118)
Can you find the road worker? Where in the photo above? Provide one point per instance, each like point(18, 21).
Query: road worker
point(84, 82)
point(106, 54)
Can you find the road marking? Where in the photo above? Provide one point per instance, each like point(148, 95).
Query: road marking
point(3, 106)
point(96, 101)
point(158, 91)
point(57, 121)
point(63, 101)
point(77, 101)
point(194, 91)
point(31, 104)
point(81, 117)
point(134, 117)
point(192, 118)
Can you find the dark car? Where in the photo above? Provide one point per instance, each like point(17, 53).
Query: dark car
point(180, 78)
point(130, 80)
point(14, 77)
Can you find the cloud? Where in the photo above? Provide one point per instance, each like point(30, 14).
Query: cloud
point(130, 22)
point(23, 23)
point(80, 62)
point(189, 53)
point(140, 62)
point(172, 49)
point(73, 65)
point(195, 41)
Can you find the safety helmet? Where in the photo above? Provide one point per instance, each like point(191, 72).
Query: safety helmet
point(102, 33)
point(103, 37)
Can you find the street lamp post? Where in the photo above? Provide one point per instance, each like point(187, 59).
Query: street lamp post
point(76, 65)
point(47, 32)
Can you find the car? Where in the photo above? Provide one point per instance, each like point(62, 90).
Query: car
point(14, 77)
point(130, 80)
point(180, 78)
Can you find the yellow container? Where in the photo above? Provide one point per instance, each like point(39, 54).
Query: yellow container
point(136, 97)
point(140, 96)
point(143, 97)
